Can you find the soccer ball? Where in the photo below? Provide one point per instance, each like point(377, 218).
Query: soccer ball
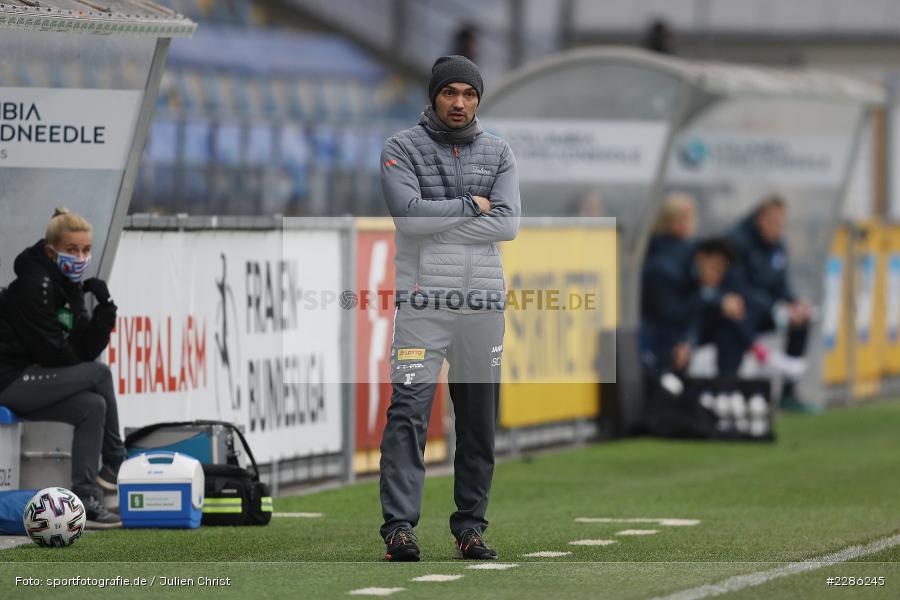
point(54, 517)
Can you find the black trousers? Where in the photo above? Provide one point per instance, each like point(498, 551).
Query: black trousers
point(81, 395)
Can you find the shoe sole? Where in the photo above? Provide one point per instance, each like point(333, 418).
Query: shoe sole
point(402, 558)
point(458, 554)
point(98, 525)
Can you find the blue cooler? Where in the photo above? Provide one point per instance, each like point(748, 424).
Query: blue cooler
point(161, 489)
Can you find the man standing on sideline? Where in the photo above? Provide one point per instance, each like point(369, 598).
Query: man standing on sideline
point(453, 192)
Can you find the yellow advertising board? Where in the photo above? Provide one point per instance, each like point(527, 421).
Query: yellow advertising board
point(835, 330)
point(891, 260)
point(562, 292)
point(868, 322)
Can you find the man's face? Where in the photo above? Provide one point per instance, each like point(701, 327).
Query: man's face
point(455, 105)
point(711, 268)
point(770, 222)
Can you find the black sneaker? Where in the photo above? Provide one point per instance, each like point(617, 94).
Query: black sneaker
point(98, 517)
point(470, 546)
point(401, 546)
point(108, 478)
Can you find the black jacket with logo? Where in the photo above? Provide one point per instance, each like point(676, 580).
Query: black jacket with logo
point(43, 321)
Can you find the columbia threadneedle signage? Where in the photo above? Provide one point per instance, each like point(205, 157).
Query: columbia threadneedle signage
point(742, 155)
point(583, 151)
point(51, 128)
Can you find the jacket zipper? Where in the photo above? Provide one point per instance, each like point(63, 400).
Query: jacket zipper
point(459, 187)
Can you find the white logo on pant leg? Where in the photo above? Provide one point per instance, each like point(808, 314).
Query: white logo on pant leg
point(409, 377)
point(496, 360)
point(496, 349)
point(411, 366)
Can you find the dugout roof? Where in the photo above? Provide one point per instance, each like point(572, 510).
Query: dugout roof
point(135, 17)
point(79, 81)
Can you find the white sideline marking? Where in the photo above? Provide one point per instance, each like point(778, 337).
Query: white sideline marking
point(493, 566)
point(637, 532)
point(592, 542)
point(375, 591)
point(739, 582)
point(438, 578)
point(299, 515)
point(546, 554)
point(664, 522)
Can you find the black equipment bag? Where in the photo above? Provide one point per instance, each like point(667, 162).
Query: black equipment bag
point(233, 495)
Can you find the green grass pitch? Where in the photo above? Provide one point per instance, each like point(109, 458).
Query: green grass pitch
point(831, 481)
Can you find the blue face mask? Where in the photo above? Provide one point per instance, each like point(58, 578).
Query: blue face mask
point(72, 267)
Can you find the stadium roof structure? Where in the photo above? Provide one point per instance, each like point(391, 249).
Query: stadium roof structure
point(722, 79)
point(105, 17)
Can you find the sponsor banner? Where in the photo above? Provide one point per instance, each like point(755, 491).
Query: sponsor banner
point(869, 318)
point(374, 328)
point(740, 156)
point(211, 325)
point(555, 353)
point(865, 296)
point(834, 311)
point(891, 247)
point(56, 128)
point(893, 298)
point(583, 151)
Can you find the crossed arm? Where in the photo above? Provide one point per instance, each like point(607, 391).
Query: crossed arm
point(455, 220)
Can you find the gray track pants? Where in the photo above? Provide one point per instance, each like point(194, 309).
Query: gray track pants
point(82, 395)
point(473, 345)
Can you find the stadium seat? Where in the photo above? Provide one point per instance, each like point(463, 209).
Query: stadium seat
point(7, 417)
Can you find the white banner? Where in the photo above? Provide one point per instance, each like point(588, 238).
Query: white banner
point(770, 159)
point(212, 325)
point(56, 128)
point(583, 151)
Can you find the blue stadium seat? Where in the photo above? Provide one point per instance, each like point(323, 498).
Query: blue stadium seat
point(268, 98)
point(240, 100)
point(213, 96)
point(8, 417)
point(297, 106)
point(23, 74)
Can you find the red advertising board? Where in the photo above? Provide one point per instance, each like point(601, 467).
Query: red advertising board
point(374, 326)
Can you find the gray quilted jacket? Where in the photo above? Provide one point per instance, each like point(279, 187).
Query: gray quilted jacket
point(446, 248)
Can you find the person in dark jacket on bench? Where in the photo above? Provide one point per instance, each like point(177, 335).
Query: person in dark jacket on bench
point(763, 272)
point(667, 292)
point(48, 349)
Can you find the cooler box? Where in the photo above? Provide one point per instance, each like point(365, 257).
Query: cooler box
point(161, 489)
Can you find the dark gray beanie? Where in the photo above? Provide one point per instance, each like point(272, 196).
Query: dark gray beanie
point(454, 69)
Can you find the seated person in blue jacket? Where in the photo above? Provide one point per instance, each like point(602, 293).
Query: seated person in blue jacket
point(763, 272)
point(667, 292)
point(48, 348)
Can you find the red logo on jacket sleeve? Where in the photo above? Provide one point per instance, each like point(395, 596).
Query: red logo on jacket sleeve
point(390, 163)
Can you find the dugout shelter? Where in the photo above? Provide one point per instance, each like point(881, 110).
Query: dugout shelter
point(78, 86)
point(611, 131)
